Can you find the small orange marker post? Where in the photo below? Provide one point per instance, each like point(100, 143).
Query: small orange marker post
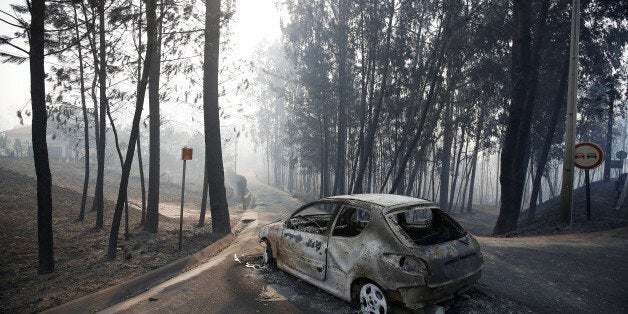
point(186, 154)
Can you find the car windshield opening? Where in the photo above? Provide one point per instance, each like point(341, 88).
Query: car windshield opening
point(425, 225)
point(313, 219)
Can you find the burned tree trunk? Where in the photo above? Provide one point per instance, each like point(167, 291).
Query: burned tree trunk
point(135, 130)
point(369, 140)
point(102, 81)
point(474, 158)
point(40, 147)
point(515, 150)
point(154, 125)
point(559, 100)
point(213, 151)
point(85, 118)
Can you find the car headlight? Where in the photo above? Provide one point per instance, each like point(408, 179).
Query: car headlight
point(408, 264)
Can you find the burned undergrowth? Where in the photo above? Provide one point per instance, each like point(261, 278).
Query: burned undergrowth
point(81, 266)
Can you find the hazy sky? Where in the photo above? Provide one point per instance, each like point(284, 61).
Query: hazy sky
point(255, 21)
point(14, 82)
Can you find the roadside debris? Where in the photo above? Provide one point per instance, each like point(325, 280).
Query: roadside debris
point(249, 261)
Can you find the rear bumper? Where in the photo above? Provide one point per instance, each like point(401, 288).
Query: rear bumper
point(422, 296)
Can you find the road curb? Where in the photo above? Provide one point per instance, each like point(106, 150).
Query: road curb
point(107, 297)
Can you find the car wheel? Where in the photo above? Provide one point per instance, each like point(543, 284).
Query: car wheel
point(372, 299)
point(268, 253)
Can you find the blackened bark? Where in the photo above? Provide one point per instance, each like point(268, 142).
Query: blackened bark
point(465, 179)
point(85, 118)
point(201, 219)
point(139, 146)
point(324, 156)
point(135, 130)
point(142, 181)
point(445, 159)
point(365, 75)
point(609, 130)
point(102, 81)
point(152, 211)
point(343, 99)
point(213, 151)
point(367, 150)
point(40, 147)
point(474, 158)
point(559, 100)
point(515, 150)
point(418, 165)
point(119, 151)
point(91, 37)
point(458, 158)
point(425, 107)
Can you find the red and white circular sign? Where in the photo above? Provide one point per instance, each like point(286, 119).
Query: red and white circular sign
point(588, 155)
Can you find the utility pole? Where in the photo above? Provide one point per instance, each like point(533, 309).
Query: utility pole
point(566, 202)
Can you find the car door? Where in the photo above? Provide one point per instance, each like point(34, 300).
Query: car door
point(346, 245)
point(303, 246)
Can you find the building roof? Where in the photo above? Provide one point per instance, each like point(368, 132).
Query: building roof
point(25, 130)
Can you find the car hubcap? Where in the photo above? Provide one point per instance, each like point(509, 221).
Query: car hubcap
point(372, 299)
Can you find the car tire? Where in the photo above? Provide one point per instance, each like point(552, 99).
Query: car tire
point(268, 254)
point(370, 298)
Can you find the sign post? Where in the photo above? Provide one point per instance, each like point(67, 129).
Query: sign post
point(588, 156)
point(186, 154)
point(566, 191)
point(621, 155)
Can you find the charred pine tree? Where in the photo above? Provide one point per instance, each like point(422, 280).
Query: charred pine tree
point(343, 98)
point(474, 158)
point(211, 113)
point(609, 83)
point(119, 151)
point(40, 147)
point(524, 78)
point(559, 100)
point(85, 117)
point(369, 140)
point(152, 210)
point(201, 219)
point(151, 24)
point(139, 146)
point(102, 82)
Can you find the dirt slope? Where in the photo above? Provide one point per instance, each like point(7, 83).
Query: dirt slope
point(79, 249)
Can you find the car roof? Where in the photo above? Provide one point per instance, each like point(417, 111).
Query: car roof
point(387, 201)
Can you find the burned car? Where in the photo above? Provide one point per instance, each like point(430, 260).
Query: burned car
point(375, 249)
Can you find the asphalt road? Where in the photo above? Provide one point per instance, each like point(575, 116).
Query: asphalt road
point(224, 285)
point(573, 273)
point(580, 273)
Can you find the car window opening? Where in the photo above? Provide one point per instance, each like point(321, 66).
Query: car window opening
point(351, 222)
point(313, 219)
point(425, 226)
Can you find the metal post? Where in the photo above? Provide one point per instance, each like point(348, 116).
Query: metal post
point(588, 190)
point(181, 214)
point(566, 203)
point(235, 155)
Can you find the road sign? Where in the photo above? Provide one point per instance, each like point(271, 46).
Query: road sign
point(621, 155)
point(186, 153)
point(617, 164)
point(588, 156)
